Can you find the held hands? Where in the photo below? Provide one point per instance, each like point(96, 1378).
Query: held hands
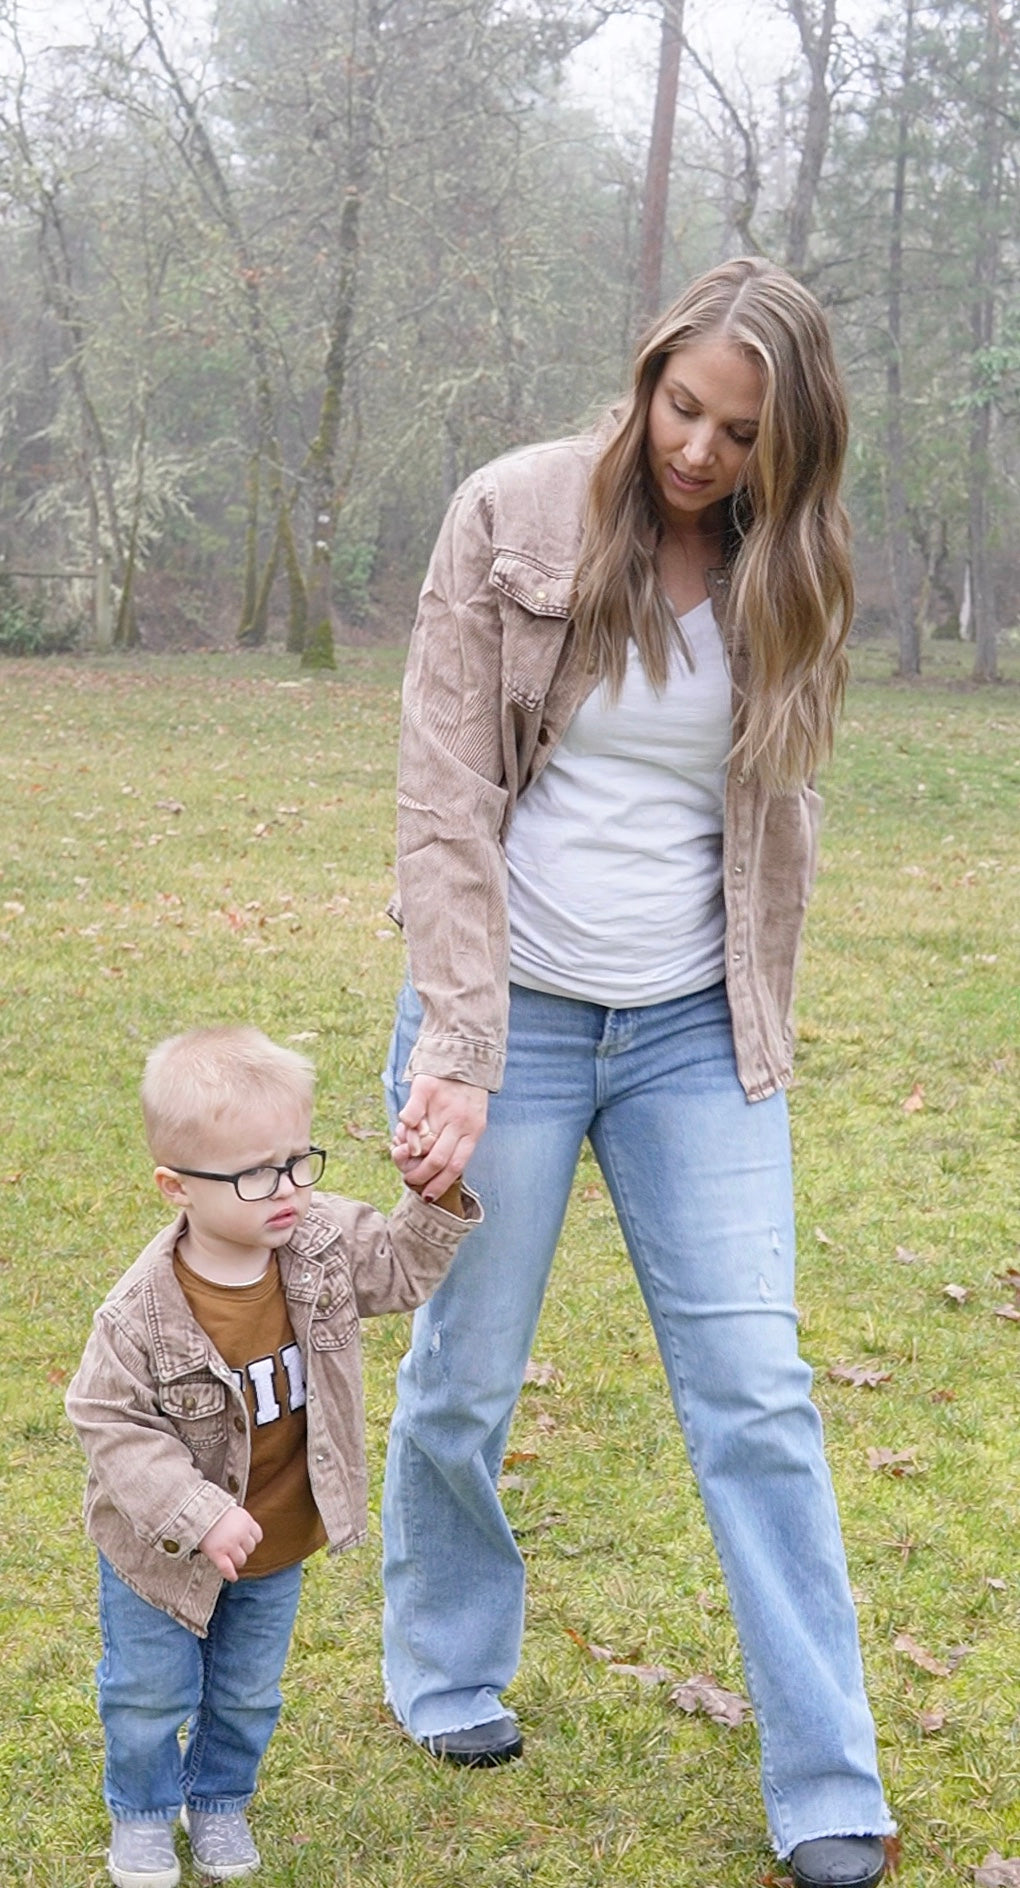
point(437, 1132)
point(230, 1541)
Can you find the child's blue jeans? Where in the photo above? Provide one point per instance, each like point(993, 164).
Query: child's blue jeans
point(155, 1676)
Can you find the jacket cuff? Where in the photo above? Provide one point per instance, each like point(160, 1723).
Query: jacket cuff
point(434, 1222)
point(201, 1511)
point(458, 1059)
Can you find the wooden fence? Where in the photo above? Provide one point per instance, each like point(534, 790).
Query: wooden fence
point(102, 595)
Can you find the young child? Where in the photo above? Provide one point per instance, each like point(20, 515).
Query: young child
point(219, 1404)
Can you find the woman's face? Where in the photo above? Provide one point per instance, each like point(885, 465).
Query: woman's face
point(702, 424)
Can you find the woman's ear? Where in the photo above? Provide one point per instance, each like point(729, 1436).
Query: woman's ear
point(173, 1187)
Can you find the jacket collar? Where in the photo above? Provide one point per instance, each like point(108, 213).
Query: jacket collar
point(179, 1344)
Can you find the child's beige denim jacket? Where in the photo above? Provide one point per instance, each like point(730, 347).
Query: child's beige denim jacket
point(165, 1426)
point(492, 680)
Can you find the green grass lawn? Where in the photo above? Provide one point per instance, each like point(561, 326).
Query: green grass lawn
point(210, 838)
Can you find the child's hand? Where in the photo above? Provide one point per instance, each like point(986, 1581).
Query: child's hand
point(230, 1541)
point(408, 1146)
point(437, 1131)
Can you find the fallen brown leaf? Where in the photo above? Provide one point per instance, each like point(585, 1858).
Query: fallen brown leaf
point(630, 1668)
point(958, 1293)
point(894, 1461)
point(904, 1643)
point(645, 1674)
point(543, 1374)
point(702, 1693)
point(931, 1722)
point(1012, 1312)
point(603, 1653)
point(915, 1100)
point(996, 1872)
point(862, 1376)
point(358, 1133)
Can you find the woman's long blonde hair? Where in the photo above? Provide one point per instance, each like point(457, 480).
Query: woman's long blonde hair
point(788, 538)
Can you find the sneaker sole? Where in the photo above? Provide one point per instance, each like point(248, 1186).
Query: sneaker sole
point(219, 1871)
point(143, 1878)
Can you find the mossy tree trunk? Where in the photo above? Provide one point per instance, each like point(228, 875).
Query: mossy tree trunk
point(660, 151)
point(908, 627)
point(323, 485)
point(198, 153)
point(815, 27)
point(999, 48)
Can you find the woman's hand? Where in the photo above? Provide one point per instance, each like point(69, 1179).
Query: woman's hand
point(437, 1132)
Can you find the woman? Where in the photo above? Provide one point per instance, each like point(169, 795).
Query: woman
point(627, 662)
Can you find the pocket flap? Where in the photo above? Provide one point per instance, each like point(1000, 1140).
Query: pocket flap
point(538, 590)
point(192, 1399)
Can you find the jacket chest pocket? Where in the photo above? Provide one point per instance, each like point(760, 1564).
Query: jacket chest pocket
point(334, 1321)
point(197, 1407)
point(534, 607)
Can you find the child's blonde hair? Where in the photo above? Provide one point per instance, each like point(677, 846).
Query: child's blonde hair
point(192, 1081)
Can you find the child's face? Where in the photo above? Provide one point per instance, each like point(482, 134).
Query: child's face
point(232, 1235)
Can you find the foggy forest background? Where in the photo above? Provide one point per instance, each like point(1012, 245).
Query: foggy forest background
point(276, 274)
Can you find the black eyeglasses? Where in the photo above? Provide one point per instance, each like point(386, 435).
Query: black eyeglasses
point(260, 1183)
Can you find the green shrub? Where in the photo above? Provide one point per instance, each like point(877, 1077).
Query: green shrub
point(25, 629)
point(354, 561)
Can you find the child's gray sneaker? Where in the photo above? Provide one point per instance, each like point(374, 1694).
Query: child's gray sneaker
point(142, 1855)
point(221, 1845)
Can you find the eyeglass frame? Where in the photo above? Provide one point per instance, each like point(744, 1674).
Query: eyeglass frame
point(266, 1166)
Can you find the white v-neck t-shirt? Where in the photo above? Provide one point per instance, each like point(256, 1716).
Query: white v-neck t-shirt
point(615, 851)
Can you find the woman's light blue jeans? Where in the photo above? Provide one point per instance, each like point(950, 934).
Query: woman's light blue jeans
point(155, 1676)
point(701, 1182)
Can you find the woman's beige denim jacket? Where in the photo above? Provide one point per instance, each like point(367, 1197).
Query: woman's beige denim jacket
point(493, 677)
point(165, 1426)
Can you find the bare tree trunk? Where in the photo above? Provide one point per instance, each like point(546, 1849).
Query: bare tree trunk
point(982, 328)
point(816, 43)
point(97, 466)
point(321, 468)
point(125, 635)
point(908, 629)
point(744, 184)
point(318, 651)
point(660, 151)
point(197, 151)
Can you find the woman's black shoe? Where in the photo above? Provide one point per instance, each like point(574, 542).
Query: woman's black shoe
point(838, 1862)
point(481, 1745)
